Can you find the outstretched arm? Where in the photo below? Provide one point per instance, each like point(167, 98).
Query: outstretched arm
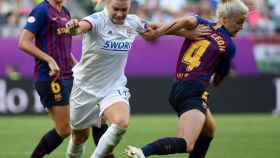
point(187, 23)
point(76, 27)
point(197, 33)
point(186, 27)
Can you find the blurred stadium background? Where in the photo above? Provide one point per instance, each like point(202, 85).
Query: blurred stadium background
point(244, 105)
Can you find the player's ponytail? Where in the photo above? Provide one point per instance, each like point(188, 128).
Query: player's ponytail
point(227, 7)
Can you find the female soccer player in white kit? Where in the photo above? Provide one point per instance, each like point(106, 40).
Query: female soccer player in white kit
point(99, 90)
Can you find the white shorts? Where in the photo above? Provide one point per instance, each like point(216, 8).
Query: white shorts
point(86, 109)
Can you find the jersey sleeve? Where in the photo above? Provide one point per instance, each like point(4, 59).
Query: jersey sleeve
point(225, 64)
point(202, 21)
point(36, 20)
point(140, 25)
point(95, 21)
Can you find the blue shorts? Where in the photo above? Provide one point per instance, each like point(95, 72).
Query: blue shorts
point(54, 93)
point(186, 95)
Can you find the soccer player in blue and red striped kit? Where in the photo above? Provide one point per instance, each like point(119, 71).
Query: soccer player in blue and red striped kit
point(53, 69)
point(198, 62)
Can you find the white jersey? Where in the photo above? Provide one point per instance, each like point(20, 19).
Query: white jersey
point(104, 53)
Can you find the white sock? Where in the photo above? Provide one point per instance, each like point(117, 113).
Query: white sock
point(108, 141)
point(75, 151)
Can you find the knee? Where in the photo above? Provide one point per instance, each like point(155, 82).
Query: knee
point(121, 121)
point(64, 130)
point(79, 138)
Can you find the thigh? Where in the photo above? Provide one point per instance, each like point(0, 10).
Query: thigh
point(190, 125)
point(117, 113)
point(115, 106)
point(59, 114)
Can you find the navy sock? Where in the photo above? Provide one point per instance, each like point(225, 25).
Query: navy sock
point(165, 146)
point(201, 147)
point(47, 144)
point(97, 133)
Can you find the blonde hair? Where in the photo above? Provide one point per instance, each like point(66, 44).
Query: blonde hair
point(227, 7)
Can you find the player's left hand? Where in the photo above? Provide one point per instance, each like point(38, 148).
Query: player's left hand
point(199, 32)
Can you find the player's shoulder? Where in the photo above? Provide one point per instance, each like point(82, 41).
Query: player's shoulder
point(230, 47)
point(97, 17)
point(204, 21)
point(134, 20)
point(228, 38)
point(43, 6)
point(132, 17)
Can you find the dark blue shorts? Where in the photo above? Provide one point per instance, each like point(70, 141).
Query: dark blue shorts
point(186, 95)
point(54, 93)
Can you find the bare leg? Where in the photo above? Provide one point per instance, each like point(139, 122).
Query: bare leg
point(53, 138)
point(76, 143)
point(118, 115)
point(205, 138)
point(190, 126)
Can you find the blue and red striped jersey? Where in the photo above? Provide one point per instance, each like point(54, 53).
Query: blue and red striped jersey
point(198, 60)
point(48, 26)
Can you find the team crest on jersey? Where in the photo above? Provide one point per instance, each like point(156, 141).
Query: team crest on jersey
point(31, 19)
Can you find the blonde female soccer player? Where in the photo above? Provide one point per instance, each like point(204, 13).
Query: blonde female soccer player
point(197, 63)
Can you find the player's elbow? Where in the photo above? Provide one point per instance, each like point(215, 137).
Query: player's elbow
point(25, 39)
point(21, 44)
point(24, 44)
point(189, 22)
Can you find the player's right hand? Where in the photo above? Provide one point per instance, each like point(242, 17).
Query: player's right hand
point(150, 35)
point(73, 23)
point(54, 69)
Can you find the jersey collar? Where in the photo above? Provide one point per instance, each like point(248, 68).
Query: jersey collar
point(105, 10)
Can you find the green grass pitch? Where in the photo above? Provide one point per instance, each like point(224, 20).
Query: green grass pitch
point(238, 136)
